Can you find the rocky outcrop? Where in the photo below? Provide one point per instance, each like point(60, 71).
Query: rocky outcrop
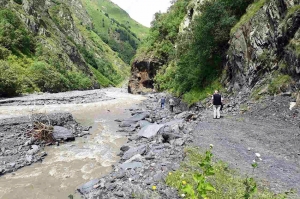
point(142, 76)
point(265, 46)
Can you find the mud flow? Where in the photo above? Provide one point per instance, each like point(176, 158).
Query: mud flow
point(71, 164)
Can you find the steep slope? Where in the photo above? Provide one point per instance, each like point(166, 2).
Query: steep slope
point(261, 57)
point(115, 27)
point(52, 46)
point(158, 49)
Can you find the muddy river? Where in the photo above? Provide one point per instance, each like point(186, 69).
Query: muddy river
point(72, 164)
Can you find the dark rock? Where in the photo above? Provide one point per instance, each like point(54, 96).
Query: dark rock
point(169, 136)
point(124, 148)
point(142, 76)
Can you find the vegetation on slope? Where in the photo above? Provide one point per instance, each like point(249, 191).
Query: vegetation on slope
point(163, 33)
point(115, 27)
point(200, 177)
point(21, 69)
point(195, 64)
point(67, 54)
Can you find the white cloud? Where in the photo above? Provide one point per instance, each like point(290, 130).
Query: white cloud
point(143, 10)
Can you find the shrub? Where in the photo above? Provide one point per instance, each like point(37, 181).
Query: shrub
point(218, 180)
point(198, 58)
point(279, 84)
point(47, 78)
point(13, 34)
point(9, 83)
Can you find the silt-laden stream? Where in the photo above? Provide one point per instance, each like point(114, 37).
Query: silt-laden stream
point(69, 165)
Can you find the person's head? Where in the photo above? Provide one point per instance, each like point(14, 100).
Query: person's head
point(216, 91)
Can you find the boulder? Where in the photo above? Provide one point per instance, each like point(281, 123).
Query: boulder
point(132, 122)
point(61, 133)
point(134, 151)
point(87, 187)
point(150, 130)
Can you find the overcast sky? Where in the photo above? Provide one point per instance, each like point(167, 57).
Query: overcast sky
point(143, 10)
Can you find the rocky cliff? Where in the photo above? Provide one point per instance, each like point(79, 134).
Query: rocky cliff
point(261, 57)
point(264, 50)
point(142, 75)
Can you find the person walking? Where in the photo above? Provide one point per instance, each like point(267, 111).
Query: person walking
point(171, 104)
point(217, 103)
point(162, 102)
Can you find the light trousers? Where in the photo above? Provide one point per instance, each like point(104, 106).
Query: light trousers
point(217, 111)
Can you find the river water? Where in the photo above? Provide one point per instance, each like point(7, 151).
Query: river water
point(72, 164)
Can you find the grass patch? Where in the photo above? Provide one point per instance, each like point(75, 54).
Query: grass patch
point(279, 84)
point(198, 94)
point(251, 11)
point(293, 10)
point(227, 183)
point(244, 107)
point(103, 81)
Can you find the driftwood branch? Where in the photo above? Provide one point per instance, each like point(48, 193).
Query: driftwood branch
point(42, 132)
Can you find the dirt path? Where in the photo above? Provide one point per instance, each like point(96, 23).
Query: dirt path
point(236, 139)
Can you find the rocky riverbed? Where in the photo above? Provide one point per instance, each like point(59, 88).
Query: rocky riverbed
point(19, 148)
point(157, 137)
point(70, 164)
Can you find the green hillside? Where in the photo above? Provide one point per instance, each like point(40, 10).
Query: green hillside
point(115, 27)
point(123, 17)
point(194, 66)
point(59, 46)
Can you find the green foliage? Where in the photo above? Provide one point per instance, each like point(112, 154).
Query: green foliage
point(4, 53)
point(202, 65)
point(279, 84)
point(103, 66)
point(197, 64)
point(114, 28)
point(9, 83)
point(251, 11)
point(13, 35)
point(41, 62)
point(103, 81)
point(198, 94)
point(163, 32)
point(203, 187)
point(18, 2)
point(220, 182)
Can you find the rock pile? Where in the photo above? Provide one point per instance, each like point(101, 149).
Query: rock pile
point(156, 138)
point(19, 149)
